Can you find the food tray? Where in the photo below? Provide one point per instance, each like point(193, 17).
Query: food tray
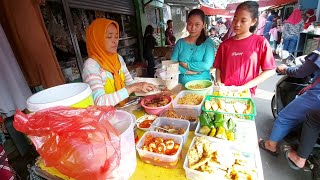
point(185, 112)
point(216, 91)
point(160, 159)
point(244, 135)
point(231, 100)
point(177, 123)
point(185, 106)
point(195, 175)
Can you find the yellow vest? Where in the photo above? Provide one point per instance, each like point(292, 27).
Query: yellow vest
point(109, 86)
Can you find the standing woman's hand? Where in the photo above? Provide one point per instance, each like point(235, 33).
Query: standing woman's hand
point(183, 64)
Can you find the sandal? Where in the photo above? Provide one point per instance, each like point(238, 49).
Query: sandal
point(263, 146)
point(286, 150)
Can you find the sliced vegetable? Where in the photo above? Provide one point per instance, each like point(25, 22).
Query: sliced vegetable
point(218, 120)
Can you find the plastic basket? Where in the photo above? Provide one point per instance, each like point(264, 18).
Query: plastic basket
point(231, 100)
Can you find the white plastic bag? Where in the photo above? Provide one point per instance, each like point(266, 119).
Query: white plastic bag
point(279, 48)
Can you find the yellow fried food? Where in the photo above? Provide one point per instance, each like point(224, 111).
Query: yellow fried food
point(190, 99)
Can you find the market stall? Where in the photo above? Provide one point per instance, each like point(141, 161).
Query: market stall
point(196, 123)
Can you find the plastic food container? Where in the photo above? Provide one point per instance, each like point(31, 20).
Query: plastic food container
point(186, 113)
point(186, 106)
point(162, 160)
point(205, 83)
point(124, 122)
point(229, 92)
point(177, 123)
point(195, 175)
point(232, 100)
point(155, 110)
point(244, 135)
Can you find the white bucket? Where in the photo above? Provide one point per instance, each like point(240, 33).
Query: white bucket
point(124, 123)
point(73, 94)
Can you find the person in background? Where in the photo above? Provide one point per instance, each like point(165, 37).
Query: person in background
point(279, 29)
point(230, 32)
point(262, 23)
point(273, 36)
point(195, 53)
point(298, 111)
point(213, 33)
point(105, 70)
point(311, 17)
point(268, 25)
point(240, 58)
point(149, 42)
point(222, 28)
point(291, 31)
point(170, 39)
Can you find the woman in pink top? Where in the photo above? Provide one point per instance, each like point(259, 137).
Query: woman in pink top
point(273, 36)
point(262, 23)
point(240, 58)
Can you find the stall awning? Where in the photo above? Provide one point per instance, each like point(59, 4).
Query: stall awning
point(215, 11)
point(264, 3)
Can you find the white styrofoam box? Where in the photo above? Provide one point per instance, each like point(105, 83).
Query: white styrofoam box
point(156, 158)
point(186, 106)
point(185, 112)
point(196, 175)
point(244, 135)
point(177, 123)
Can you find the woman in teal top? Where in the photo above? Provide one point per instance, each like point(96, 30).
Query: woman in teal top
point(194, 53)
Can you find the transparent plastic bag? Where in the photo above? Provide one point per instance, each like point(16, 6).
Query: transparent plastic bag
point(80, 143)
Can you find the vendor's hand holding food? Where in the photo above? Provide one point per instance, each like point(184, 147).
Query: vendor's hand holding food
point(141, 87)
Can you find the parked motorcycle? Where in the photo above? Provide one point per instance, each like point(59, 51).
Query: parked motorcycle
point(287, 88)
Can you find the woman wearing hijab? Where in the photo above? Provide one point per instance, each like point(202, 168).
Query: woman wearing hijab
point(291, 30)
point(310, 18)
point(105, 70)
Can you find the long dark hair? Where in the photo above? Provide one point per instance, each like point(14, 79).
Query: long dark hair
point(149, 30)
point(198, 12)
point(253, 8)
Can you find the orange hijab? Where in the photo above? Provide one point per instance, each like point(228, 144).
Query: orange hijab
point(96, 47)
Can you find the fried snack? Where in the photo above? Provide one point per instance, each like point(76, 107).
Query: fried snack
point(190, 99)
point(196, 86)
point(223, 163)
point(173, 114)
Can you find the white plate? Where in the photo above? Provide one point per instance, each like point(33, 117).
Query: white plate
point(148, 93)
point(143, 118)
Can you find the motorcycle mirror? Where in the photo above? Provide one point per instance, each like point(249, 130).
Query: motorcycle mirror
point(284, 54)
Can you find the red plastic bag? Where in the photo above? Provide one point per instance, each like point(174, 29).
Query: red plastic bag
point(80, 143)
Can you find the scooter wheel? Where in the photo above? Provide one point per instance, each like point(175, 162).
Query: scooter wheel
point(274, 107)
